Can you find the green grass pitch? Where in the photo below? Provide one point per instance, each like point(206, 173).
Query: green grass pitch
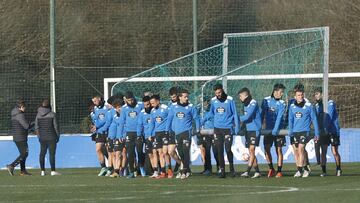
point(83, 185)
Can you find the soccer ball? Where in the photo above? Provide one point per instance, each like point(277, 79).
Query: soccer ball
point(245, 157)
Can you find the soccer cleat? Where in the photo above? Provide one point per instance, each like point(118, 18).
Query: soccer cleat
point(154, 175)
point(222, 173)
point(42, 173)
point(297, 174)
point(55, 173)
point(207, 173)
point(256, 175)
point(245, 175)
point(309, 169)
point(306, 174)
point(187, 174)
point(25, 173)
point(10, 169)
point(178, 175)
point(233, 174)
point(114, 175)
point(323, 175)
point(108, 173)
point(135, 174)
point(271, 173)
point(102, 171)
point(183, 176)
point(170, 173)
point(162, 175)
point(338, 172)
point(131, 175)
point(279, 175)
point(125, 172)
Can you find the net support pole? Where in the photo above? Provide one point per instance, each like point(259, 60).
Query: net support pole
point(326, 69)
point(52, 55)
point(195, 41)
point(225, 62)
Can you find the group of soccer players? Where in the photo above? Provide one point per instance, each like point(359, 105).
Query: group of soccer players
point(129, 132)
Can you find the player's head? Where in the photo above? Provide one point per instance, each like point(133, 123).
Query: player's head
point(46, 103)
point(218, 90)
point(155, 101)
point(130, 98)
point(183, 96)
point(278, 90)
point(117, 104)
point(20, 104)
point(244, 93)
point(318, 94)
point(173, 93)
point(146, 102)
point(110, 101)
point(299, 87)
point(299, 95)
point(97, 100)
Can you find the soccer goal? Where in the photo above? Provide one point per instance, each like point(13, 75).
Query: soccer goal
point(257, 60)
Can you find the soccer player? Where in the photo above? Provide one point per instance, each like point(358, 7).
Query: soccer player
point(330, 131)
point(301, 115)
point(114, 136)
point(19, 130)
point(272, 110)
point(294, 144)
point(145, 127)
point(48, 132)
point(252, 121)
point(180, 119)
point(207, 140)
point(171, 147)
point(159, 114)
point(99, 120)
point(223, 111)
point(128, 124)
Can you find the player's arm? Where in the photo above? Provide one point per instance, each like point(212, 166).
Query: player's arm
point(279, 117)
point(169, 119)
point(263, 110)
point(108, 120)
point(235, 117)
point(196, 118)
point(291, 121)
point(139, 125)
point(314, 122)
point(122, 121)
point(209, 115)
point(251, 110)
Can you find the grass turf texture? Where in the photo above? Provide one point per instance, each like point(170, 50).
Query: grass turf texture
point(83, 185)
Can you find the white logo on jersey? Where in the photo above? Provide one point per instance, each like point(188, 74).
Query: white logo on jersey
point(180, 115)
point(101, 116)
point(158, 119)
point(132, 114)
point(298, 115)
point(220, 110)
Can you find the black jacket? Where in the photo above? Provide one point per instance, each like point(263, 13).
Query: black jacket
point(19, 125)
point(46, 124)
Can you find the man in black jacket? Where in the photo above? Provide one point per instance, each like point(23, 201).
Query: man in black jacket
point(48, 133)
point(19, 131)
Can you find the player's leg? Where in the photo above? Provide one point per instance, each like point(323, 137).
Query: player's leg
point(317, 152)
point(110, 150)
point(166, 154)
point(186, 144)
point(124, 160)
point(215, 153)
point(99, 146)
point(160, 151)
point(43, 150)
point(335, 142)
point(228, 143)
point(301, 157)
point(52, 153)
point(130, 148)
point(207, 146)
point(116, 159)
point(324, 148)
point(219, 143)
point(140, 154)
point(280, 142)
point(268, 142)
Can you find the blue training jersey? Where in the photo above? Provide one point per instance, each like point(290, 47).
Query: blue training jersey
point(180, 118)
point(129, 117)
point(145, 124)
point(331, 122)
point(273, 111)
point(224, 114)
point(114, 126)
point(209, 123)
point(159, 116)
point(300, 119)
point(99, 118)
point(252, 117)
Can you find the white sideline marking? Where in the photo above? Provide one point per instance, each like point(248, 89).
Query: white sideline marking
point(350, 189)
